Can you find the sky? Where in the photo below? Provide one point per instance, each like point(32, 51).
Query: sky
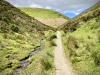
point(70, 8)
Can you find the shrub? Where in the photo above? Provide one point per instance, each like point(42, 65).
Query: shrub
point(53, 43)
point(52, 37)
point(96, 54)
point(14, 28)
point(14, 64)
point(98, 37)
point(71, 43)
point(21, 37)
point(45, 62)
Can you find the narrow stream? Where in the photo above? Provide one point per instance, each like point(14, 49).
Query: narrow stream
point(26, 61)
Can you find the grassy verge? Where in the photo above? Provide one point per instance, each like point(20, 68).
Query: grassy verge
point(83, 48)
point(42, 62)
point(13, 48)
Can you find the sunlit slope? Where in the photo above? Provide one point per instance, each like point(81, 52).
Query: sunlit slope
point(81, 41)
point(83, 47)
point(46, 16)
point(80, 19)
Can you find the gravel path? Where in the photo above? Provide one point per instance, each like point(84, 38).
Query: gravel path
point(62, 64)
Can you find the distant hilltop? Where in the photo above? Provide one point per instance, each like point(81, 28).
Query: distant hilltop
point(46, 16)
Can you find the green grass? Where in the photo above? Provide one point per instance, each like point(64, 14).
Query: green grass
point(46, 16)
point(83, 47)
point(13, 49)
point(19, 35)
point(42, 13)
point(42, 62)
point(13, 19)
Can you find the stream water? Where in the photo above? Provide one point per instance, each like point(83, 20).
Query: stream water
point(26, 61)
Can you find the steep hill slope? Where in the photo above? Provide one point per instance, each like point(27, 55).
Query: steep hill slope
point(46, 16)
point(83, 47)
point(10, 14)
point(19, 35)
point(80, 19)
point(81, 41)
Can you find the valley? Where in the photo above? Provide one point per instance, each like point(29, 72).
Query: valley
point(47, 42)
point(46, 16)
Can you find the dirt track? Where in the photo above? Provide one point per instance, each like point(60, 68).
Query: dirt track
point(62, 65)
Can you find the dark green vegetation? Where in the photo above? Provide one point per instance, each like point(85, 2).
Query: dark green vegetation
point(82, 46)
point(43, 13)
point(79, 20)
point(19, 35)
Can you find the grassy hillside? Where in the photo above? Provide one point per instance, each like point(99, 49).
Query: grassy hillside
point(80, 19)
point(19, 35)
point(46, 16)
point(81, 40)
point(13, 15)
point(83, 47)
point(42, 13)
